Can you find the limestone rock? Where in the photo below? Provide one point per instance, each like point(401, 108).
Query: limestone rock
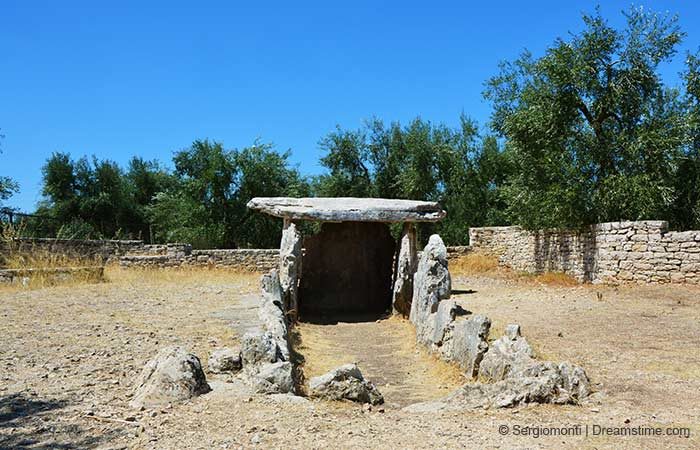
point(259, 348)
point(506, 356)
point(435, 316)
point(570, 381)
point(272, 378)
point(225, 360)
point(542, 382)
point(431, 283)
point(265, 366)
point(467, 343)
point(290, 267)
point(345, 383)
point(271, 312)
point(406, 265)
point(442, 321)
point(511, 358)
point(348, 209)
point(173, 375)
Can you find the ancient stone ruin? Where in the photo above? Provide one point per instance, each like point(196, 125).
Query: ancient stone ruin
point(354, 266)
point(348, 267)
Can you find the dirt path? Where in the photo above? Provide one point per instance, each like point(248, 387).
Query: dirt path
point(386, 352)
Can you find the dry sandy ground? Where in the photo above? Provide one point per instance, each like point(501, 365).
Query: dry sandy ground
point(69, 357)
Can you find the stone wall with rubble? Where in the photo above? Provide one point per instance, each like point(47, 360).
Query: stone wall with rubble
point(642, 251)
point(255, 260)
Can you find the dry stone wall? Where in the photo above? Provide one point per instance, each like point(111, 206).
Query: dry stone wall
point(255, 260)
point(614, 252)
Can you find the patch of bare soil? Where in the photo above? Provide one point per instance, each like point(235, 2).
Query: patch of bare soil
point(70, 355)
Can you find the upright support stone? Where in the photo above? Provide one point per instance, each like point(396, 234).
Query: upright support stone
point(431, 283)
point(406, 265)
point(290, 267)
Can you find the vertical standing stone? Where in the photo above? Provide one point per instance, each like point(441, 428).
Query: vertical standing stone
point(406, 264)
point(290, 267)
point(431, 284)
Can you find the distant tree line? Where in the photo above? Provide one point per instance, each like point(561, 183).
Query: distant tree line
point(8, 186)
point(586, 133)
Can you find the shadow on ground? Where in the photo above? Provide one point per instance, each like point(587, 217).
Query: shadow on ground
point(29, 422)
point(343, 317)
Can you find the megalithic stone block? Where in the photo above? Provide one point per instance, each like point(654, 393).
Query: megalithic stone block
point(406, 265)
point(290, 267)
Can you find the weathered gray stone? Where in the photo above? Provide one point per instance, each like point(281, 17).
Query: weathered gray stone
point(462, 340)
point(259, 348)
point(173, 375)
point(508, 355)
point(519, 378)
point(406, 265)
point(225, 360)
point(442, 320)
point(349, 209)
point(466, 343)
point(431, 283)
point(345, 383)
point(271, 312)
point(540, 383)
point(512, 392)
point(272, 378)
point(290, 267)
point(572, 382)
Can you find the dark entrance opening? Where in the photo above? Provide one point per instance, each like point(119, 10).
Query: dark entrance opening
point(346, 272)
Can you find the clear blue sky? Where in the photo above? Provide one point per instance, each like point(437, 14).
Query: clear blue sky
point(129, 79)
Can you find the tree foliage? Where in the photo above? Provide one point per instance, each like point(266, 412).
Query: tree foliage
point(207, 208)
point(8, 186)
point(419, 161)
point(202, 201)
point(592, 131)
point(687, 186)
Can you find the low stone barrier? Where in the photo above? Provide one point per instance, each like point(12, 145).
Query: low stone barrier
point(614, 252)
point(254, 260)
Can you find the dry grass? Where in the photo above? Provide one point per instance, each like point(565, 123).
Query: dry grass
point(474, 263)
point(39, 267)
point(484, 264)
point(186, 275)
point(34, 257)
point(555, 279)
point(439, 371)
point(41, 264)
point(49, 277)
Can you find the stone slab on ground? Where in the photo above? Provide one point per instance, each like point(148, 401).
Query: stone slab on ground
point(345, 383)
point(173, 375)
